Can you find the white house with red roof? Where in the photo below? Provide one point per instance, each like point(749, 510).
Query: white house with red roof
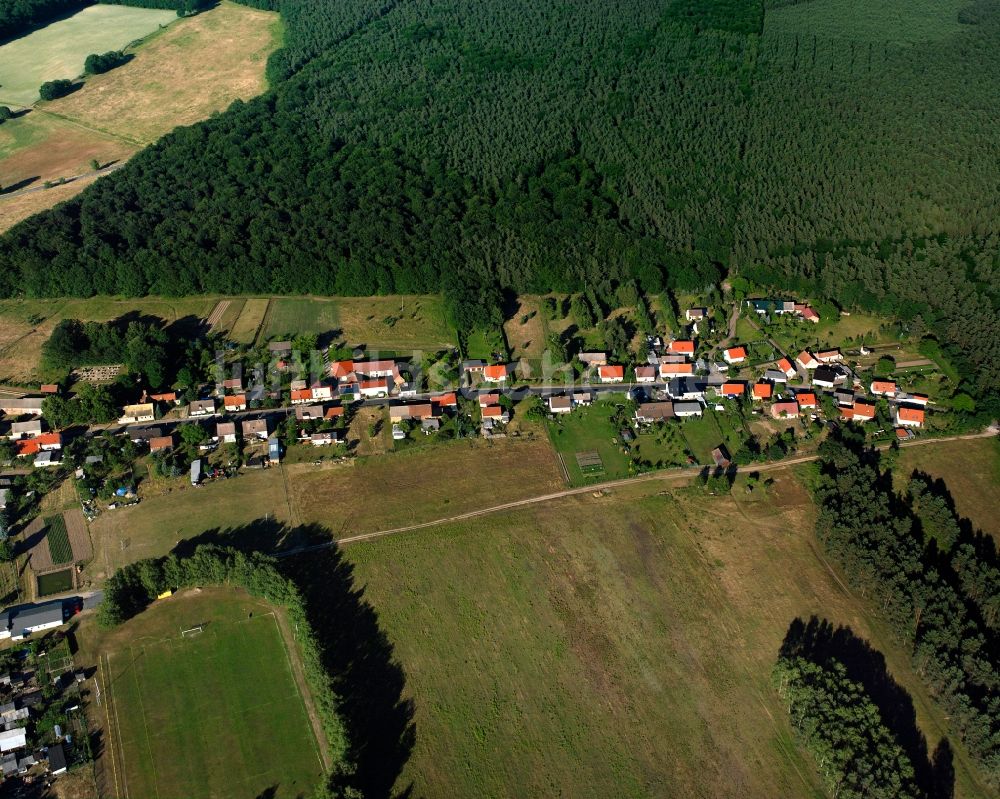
point(735, 355)
point(806, 360)
point(611, 373)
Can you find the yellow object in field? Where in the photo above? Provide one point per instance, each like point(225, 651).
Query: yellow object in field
point(165, 594)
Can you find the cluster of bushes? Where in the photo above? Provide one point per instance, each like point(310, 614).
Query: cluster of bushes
point(97, 64)
point(133, 587)
point(140, 346)
point(839, 724)
point(938, 586)
point(54, 89)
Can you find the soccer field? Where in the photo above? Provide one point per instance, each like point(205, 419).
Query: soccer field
point(215, 714)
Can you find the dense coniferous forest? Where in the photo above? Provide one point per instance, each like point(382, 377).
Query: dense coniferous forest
point(936, 585)
point(409, 146)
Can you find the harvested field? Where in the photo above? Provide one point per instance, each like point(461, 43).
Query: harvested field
point(412, 486)
point(614, 646)
point(19, 208)
point(247, 325)
point(394, 323)
point(197, 66)
point(56, 540)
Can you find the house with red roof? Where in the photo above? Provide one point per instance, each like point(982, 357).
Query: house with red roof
point(806, 399)
point(449, 400)
point(861, 411)
point(374, 388)
point(611, 373)
point(161, 443)
point(302, 396)
point(486, 400)
point(785, 366)
point(883, 388)
point(497, 373)
point(909, 417)
point(669, 370)
point(806, 360)
point(829, 356)
point(236, 402)
point(334, 412)
point(784, 409)
point(735, 355)
point(341, 369)
point(496, 413)
point(681, 347)
point(731, 390)
point(46, 442)
point(762, 391)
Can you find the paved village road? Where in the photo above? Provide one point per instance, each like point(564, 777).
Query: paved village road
point(666, 475)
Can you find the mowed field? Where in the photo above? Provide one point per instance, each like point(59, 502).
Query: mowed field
point(404, 488)
point(59, 50)
point(26, 324)
point(614, 646)
point(193, 68)
point(158, 523)
point(970, 470)
point(218, 714)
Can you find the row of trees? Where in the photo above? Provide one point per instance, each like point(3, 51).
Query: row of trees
point(99, 63)
point(937, 589)
point(133, 587)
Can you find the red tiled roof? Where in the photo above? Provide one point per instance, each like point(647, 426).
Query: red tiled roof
point(168, 396)
point(448, 399)
point(235, 401)
point(676, 369)
point(736, 352)
point(300, 394)
point(645, 371)
point(785, 365)
point(611, 372)
point(496, 371)
point(806, 399)
point(733, 388)
point(806, 357)
point(492, 411)
point(788, 407)
point(161, 443)
point(334, 411)
point(910, 414)
point(762, 390)
point(883, 386)
point(488, 399)
point(683, 347)
point(341, 368)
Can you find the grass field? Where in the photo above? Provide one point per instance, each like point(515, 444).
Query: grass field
point(706, 433)
point(391, 323)
point(59, 50)
point(291, 316)
point(590, 430)
point(970, 470)
point(155, 525)
point(217, 714)
point(614, 646)
point(409, 487)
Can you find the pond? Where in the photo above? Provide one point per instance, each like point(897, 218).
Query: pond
point(55, 582)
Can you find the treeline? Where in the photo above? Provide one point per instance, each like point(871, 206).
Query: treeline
point(140, 346)
point(839, 724)
point(18, 17)
point(517, 145)
point(99, 63)
point(939, 599)
point(133, 587)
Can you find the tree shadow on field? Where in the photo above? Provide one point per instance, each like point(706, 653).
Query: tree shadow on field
point(819, 641)
point(356, 653)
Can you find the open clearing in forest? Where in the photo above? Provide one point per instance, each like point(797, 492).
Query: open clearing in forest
point(214, 714)
point(58, 50)
point(612, 646)
point(180, 75)
point(970, 470)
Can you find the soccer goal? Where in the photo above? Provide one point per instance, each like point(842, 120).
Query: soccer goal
point(193, 631)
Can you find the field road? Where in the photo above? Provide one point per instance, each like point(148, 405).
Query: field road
point(666, 475)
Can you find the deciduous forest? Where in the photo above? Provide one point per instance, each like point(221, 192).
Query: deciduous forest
point(519, 145)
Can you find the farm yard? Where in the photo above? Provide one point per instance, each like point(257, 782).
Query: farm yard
point(218, 713)
point(619, 645)
point(180, 75)
point(58, 50)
